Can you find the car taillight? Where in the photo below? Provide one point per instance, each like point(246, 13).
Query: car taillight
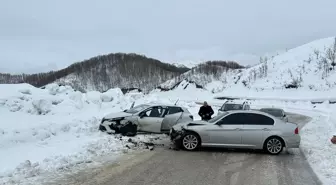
point(192, 117)
point(296, 131)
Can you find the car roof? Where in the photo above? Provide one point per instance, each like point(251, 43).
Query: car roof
point(156, 104)
point(236, 101)
point(248, 111)
point(277, 120)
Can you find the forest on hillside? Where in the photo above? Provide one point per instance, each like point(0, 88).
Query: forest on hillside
point(104, 72)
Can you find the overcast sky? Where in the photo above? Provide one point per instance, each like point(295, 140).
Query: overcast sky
point(40, 35)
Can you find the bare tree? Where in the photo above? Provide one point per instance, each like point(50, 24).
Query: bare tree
point(331, 54)
point(325, 67)
point(317, 53)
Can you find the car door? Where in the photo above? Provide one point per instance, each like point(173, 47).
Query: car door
point(151, 119)
point(226, 131)
point(255, 128)
point(171, 118)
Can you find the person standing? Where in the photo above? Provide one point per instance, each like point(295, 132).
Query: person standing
point(205, 111)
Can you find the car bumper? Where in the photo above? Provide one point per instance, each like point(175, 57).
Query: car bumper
point(293, 141)
point(108, 126)
point(175, 136)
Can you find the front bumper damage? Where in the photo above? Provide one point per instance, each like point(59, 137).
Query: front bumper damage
point(121, 126)
point(110, 126)
point(176, 137)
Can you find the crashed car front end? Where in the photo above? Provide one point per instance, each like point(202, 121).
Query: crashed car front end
point(176, 136)
point(112, 124)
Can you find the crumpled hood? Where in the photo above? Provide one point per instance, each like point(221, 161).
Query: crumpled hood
point(189, 123)
point(117, 115)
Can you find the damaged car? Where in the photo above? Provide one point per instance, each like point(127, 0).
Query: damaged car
point(152, 118)
point(277, 112)
point(237, 129)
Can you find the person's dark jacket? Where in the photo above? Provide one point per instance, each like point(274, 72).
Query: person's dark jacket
point(205, 112)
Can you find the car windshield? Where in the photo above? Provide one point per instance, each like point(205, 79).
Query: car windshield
point(137, 108)
point(228, 106)
point(216, 118)
point(274, 112)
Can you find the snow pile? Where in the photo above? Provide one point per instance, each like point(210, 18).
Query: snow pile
point(316, 144)
point(56, 128)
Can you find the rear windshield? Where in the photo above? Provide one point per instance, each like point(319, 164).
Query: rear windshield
point(227, 107)
point(274, 112)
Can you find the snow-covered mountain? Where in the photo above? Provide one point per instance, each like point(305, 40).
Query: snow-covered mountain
point(187, 64)
point(126, 71)
point(211, 73)
point(309, 67)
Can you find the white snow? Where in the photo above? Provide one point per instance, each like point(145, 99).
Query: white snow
point(303, 64)
point(316, 143)
point(54, 129)
point(65, 135)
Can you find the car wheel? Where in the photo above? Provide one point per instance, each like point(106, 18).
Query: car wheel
point(190, 141)
point(274, 145)
point(129, 129)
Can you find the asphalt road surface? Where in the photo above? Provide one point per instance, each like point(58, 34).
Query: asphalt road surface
point(164, 166)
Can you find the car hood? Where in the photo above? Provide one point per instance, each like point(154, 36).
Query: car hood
point(117, 115)
point(179, 126)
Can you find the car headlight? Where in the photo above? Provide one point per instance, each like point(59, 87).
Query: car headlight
point(112, 119)
point(115, 119)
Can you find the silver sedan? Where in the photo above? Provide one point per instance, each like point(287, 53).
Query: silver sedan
point(238, 129)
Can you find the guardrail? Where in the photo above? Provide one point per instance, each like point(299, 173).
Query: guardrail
point(312, 100)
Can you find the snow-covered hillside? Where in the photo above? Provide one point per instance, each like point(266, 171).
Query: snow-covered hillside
point(309, 67)
point(188, 64)
point(211, 75)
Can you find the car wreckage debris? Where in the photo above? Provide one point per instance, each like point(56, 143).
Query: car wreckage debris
point(134, 144)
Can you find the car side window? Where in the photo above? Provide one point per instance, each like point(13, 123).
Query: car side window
point(233, 119)
point(259, 119)
point(174, 110)
point(155, 112)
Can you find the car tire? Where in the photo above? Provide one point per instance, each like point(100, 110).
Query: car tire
point(129, 129)
point(190, 141)
point(274, 145)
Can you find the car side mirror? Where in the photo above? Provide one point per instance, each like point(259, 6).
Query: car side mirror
point(284, 115)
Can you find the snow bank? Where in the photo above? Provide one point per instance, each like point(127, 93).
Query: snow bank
point(42, 106)
point(316, 144)
point(52, 129)
point(56, 128)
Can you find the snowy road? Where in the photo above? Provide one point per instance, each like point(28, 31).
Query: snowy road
point(210, 166)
